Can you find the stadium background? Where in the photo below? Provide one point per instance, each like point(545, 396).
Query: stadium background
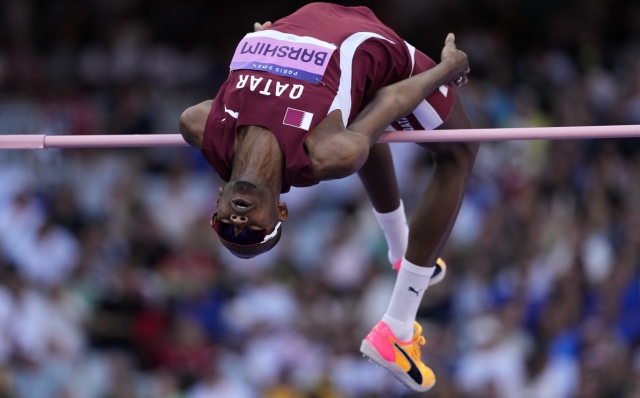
point(113, 284)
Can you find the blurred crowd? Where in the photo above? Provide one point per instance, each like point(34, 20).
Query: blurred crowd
point(112, 284)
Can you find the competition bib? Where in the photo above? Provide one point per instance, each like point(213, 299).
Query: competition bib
point(284, 54)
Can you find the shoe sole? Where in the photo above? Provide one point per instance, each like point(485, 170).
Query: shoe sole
point(369, 350)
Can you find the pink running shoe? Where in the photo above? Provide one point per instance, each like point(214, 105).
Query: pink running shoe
point(401, 358)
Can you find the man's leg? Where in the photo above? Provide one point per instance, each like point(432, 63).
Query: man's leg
point(431, 223)
point(379, 179)
point(394, 342)
point(437, 210)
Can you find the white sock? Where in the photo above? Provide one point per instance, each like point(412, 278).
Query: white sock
point(396, 232)
point(410, 286)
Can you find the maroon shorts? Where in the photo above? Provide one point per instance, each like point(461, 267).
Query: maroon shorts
point(434, 110)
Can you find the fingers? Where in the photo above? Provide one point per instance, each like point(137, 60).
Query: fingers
point(451, 53)
point(257, 27)
point(451, 39)
point(460, 80)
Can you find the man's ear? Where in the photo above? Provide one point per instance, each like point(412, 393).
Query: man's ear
point(283, 212)
point(219, 195)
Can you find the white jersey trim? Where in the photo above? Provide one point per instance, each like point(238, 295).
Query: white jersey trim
point(348, 49)
point(427, 116)
point(412, 51)
point(274, 34)
point(230, 112)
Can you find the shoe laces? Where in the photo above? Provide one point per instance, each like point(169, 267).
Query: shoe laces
point(415, 347)
point(419, 341)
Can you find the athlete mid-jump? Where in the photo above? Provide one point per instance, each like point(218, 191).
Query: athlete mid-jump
point(306, 100)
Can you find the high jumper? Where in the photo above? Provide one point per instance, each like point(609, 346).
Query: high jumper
point(315, 96)
point(307, 100)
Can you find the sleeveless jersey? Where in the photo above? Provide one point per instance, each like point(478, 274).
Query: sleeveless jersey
point(288, 77)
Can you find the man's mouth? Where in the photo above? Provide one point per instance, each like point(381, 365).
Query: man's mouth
point(241, 203)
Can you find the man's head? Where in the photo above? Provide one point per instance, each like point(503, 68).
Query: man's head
point(249, 217)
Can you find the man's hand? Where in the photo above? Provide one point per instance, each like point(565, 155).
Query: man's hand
point(456, 60)
point(257, 27)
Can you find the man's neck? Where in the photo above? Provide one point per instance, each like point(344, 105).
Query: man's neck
point(258, 158)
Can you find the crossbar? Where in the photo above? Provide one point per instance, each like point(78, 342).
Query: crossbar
point(176, 140)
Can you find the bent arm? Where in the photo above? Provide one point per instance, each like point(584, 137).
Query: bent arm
point(398, 100)
point(337, 152)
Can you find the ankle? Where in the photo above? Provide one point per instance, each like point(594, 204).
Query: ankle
point(403, 331)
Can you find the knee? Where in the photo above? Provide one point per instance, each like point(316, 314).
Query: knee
point(464, 154)
point(469, 151)
point(458, 156)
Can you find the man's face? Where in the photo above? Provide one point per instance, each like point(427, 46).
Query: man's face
point(245, 205)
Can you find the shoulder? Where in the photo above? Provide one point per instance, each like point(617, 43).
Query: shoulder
point(193, 121)
point(335, 152)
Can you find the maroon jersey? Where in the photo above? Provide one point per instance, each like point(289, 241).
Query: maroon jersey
point(288, 77)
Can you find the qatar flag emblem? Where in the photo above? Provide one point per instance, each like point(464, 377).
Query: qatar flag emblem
point(298, 118)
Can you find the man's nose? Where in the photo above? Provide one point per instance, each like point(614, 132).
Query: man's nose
point(238, 223)
point(236, 219)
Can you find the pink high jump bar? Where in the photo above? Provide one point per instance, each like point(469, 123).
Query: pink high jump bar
point(171, 140)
